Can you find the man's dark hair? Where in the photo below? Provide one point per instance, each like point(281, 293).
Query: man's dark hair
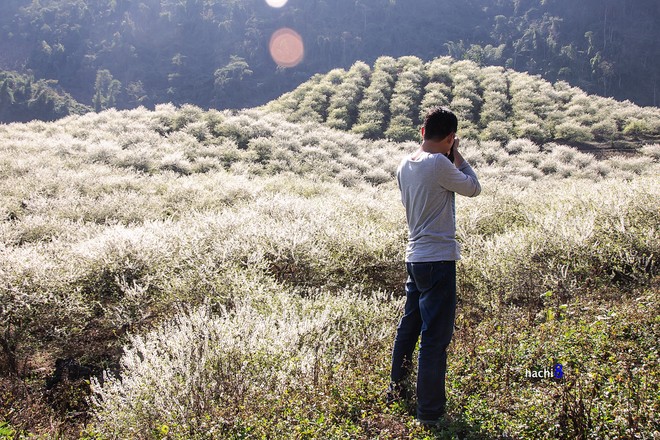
point(439, 122)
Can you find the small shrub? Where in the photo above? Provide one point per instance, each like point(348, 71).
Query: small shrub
point(517, 146)
point(176, 162)
point(573, 132)
point(652, 151)
point(636, 128)
point(206, 164)
point(103, 152)
point(369, 130)
point(377, 177)
point(263, 148)
point(199, 130)
point(349, 178)
point(637, 165)
point(498, 131)
point(532, 131)
point(399, 133)
point(139, 160)
point(549, 166)
point(605, 130)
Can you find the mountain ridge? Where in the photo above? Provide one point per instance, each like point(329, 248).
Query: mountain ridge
point(215, 53)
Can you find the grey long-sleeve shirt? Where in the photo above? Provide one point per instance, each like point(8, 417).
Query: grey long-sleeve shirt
point(427, 185)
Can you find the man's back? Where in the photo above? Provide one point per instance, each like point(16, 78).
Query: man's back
point(428, 183)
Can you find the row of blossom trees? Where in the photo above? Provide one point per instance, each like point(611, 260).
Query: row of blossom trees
point(389, 100)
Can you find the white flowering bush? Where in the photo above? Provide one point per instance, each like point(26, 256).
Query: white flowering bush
point(203, 371)
point(575, 221)
point(234, 274)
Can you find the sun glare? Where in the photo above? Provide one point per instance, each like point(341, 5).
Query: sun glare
point(276, 3)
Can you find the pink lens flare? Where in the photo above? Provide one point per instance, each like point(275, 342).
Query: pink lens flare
point(286, 47)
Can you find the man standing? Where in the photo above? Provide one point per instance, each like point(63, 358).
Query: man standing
point(428, 180)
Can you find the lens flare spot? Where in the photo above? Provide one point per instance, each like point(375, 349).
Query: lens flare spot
point(286, 47)
point(276, 3)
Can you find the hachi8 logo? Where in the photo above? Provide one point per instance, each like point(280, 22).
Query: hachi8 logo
point(556, 372)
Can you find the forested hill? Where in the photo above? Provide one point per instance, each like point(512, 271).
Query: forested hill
point(214, 53)
point(23, 99)
point(389, 100)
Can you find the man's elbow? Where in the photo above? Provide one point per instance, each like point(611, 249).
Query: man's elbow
point(477, 190)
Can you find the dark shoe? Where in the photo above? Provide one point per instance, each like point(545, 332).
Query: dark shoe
point(396, 392)
point(441, 422)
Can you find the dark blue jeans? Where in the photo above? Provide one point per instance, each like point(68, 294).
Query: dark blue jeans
point(429, 313)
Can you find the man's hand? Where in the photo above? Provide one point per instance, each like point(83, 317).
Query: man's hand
point(458, 159)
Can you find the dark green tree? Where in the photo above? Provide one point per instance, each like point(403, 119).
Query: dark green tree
point(106, 89)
